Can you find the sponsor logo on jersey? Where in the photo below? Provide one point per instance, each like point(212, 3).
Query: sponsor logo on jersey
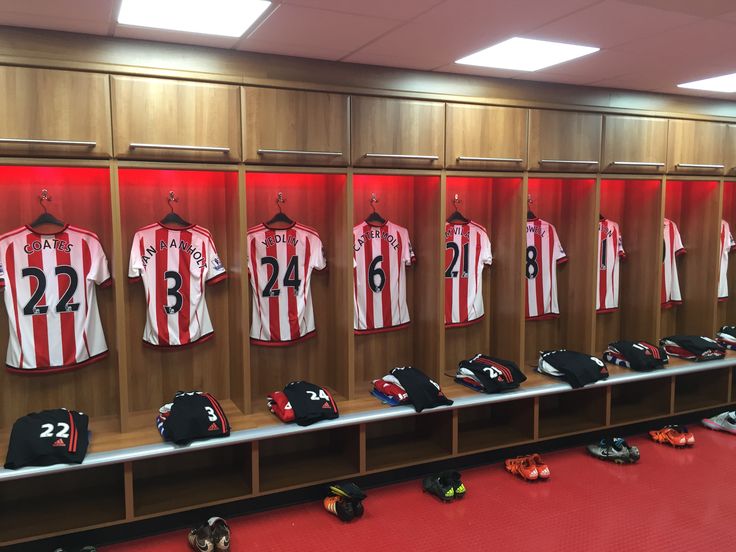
point(217, 264)
point(213, 427)
point(59, 443)
point(326, 406)
point(49, 243)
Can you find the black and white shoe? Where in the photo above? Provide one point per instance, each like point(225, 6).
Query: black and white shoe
point(220, 533)
point(200, 539)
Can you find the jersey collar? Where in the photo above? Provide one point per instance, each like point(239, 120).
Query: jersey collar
point(60, 231)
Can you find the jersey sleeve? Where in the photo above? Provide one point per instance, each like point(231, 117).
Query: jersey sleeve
point(729, 240)
point(678, 246)
point(620, 246)
point(215, 269)
point(318, 261)
point(99, 271)
point(3, 275)
point(558, 252)
point(486, 257)
point(407, 255)
point(135, 266)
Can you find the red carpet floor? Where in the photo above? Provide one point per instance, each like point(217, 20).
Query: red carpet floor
point(673, 500)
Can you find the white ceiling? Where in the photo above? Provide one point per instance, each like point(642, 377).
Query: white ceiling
point(645, 44)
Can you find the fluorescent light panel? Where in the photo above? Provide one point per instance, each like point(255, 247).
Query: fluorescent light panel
point(724, 83)
point(212, 17)
point(526, 54)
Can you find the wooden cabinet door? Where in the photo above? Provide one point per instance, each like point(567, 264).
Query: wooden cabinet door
point(696, 147)
point(167, 119)
point(564, 141)
point(634, 144)
point(292, 127)
point(53, 113)
point(486, 137)
point(397, 133)
point(730, 149)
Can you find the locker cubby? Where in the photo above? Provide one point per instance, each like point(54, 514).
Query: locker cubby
point(495, 425)
point(410, 440)
point(211, 475)
point(727, 307)
point(61, 502)
point(636, 205)
point(413, 202)
point(306, 458)
point(208, 199)
point(80, 197)
point(496, 204)
point(575, 412)
point(570, 205)
point(701, 390)
point(631, 402)
point(694, 206)
point(318, 201)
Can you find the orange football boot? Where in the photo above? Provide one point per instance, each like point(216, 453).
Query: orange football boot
point(668, 435)
point(523, 467)
point(542, 468)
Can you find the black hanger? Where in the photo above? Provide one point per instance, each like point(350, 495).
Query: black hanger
point(45, 217)
point(529, 213)
point(374, 218)
point(456, 217)
point(280, 220)
point(172, 217)
point(601, 217)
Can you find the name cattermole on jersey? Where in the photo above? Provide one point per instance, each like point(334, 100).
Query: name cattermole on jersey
point(49, 243)
point(182, 245)
point(392, 240)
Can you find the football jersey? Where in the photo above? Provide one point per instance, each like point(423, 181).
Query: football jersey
point(193, 415)
point(175, 264)
point(672, 248)
point(543, 253)
point(467, 252)
point(280, 263)
point(310, 403)
point(380, 257)
point(727, 245)
point(610, 251)
point(48, 437)
point(49, 282)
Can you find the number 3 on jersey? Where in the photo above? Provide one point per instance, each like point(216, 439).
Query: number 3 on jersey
point(291, 278)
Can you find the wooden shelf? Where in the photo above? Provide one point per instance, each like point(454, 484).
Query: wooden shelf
point(308, 458)
point(575, 412)
point(631, 402)
point(61, 502)
point(185, 480)
point(495, 425)
point(701, 390)
point(409, 440)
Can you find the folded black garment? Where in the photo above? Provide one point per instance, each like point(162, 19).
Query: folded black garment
point(636, 355)
point(577, 369)
point(693, 347)
point(423, 392)
point(493, 374)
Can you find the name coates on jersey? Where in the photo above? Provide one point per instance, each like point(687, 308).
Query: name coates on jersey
point(393, 241)
point(49, 243)
point(182, 245)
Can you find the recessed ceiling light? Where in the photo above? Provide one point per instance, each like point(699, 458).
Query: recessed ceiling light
point(724, 83)
point(213, 17)
point(526, 54)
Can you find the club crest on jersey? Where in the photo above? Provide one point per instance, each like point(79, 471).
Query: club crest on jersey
point(181, 245)
point(50, 243)
point(217, 264)
point(393, 241)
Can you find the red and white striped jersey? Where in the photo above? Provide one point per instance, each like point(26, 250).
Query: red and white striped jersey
point(50, 298)
point(672, 248)
point(610, 250)
point(280, 263)
point(727, 245)
point(175, 264)
point(380, 257)
point(467, 251)
point(543, 253)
